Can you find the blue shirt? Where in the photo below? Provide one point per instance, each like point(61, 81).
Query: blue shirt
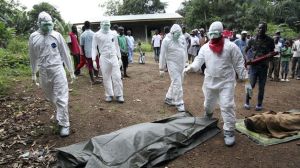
point(241, 44)
point(86, 39)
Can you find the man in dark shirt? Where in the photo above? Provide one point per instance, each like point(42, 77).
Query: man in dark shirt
point(260, 45)
point(233, 38)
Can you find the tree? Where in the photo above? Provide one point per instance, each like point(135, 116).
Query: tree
point(14, 16)
point(287, 12)
point(21, 22)
point(241, 14)
point(114, 7)
point(44, 6)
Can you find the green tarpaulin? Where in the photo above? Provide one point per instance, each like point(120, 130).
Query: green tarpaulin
point(141, 145)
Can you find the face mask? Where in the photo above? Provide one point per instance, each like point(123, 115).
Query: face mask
point(105, 27)
point(46, 27)
point(176, 35)
point(214, 34)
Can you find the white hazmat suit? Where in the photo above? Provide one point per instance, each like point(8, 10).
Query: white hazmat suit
point(174, 54)
point(219, 82)
point(110, 60)
point(48, 51)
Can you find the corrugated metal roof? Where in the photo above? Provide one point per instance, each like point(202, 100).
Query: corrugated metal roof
point(136, 18)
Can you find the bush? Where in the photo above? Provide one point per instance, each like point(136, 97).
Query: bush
point(4, 85)
point(146, 47)
point(5, 34)
point(18, 45)
point(14, 62)
point(285, 31)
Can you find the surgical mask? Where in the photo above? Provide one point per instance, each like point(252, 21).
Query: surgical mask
point(176, 35)
point(105, 27)
point(46, 26)
point(214, 34)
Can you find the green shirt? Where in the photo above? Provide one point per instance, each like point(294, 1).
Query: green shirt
point(123, 44)
point(286, 54)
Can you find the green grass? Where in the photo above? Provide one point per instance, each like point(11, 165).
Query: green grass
point(146, 47)
point(14, 64)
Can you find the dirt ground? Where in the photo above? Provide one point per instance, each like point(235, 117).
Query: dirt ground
point(144, 94)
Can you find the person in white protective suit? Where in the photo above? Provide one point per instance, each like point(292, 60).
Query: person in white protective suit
point(110, 61)
point(223, 60)
point(174, 54)
point(48, 51)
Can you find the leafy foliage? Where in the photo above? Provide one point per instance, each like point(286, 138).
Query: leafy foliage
point(241, 14)
point(285, 30)
point(5, 35)
point(114, 7)
point(44, 6)
point(145, 46)
point(13, 15)
point(14, 62)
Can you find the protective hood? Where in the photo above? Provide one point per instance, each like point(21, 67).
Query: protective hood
point(216, 26)
point(45, 22)
point(105, 26)
point(215, 30)
point(176, 31)
point(216, 42)
point(44, 16)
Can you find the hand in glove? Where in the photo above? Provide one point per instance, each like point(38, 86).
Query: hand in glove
point(120, 62)
point(34, 80)
point(161, 73)
point(248, 89)
point(186, 64)
point(73, 77)
point(187, 69)
point(95, 65)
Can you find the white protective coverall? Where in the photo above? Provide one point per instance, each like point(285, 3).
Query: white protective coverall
point(110, 58)
point(219, 82)
point(174, 54)
point(47, 53)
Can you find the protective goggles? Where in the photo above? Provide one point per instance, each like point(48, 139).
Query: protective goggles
point(214, 34)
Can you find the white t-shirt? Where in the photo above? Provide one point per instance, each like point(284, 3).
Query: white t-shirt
point(195, 41)
point(156, 40)
point(296, 48)
point(130, 41)
point(277, 48)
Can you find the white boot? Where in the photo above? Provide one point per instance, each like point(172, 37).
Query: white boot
point(108, 98)
point(229, 138)
point(64, 131)
point(168, 101)
point(180, 108)
point(120, 99)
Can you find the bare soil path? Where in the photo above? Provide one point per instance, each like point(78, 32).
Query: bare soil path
point(144, 94)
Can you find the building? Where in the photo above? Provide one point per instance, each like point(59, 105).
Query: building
point(142, 26)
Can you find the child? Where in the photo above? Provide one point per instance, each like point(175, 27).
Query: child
point(286, 54)
point(142, 54)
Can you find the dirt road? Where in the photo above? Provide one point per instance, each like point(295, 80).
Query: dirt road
point(144, 93)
